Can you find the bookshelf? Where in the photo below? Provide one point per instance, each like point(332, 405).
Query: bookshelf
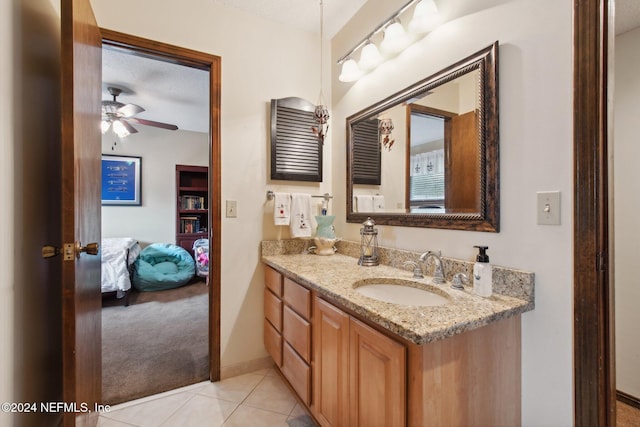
point(192, 213)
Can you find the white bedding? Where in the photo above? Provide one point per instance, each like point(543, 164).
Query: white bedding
point(115, 263)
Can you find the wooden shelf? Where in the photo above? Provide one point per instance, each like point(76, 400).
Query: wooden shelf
point(192, 202)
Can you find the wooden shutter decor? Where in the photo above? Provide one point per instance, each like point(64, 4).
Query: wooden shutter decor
point(366, 152)
point(296, 152)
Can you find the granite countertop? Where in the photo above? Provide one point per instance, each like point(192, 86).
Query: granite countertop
point(333, 277)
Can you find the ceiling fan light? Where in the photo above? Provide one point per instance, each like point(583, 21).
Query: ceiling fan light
point(425, 17)
point(104, 126)
point(120, 130)
point(370, 57)
point(350, 71)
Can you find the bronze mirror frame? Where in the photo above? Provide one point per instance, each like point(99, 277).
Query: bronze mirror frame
point(488, 219)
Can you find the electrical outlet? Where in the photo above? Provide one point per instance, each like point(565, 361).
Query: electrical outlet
point(232, 209)
point(548, 207)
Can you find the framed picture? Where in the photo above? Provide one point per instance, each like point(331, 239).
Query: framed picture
point(121, 180)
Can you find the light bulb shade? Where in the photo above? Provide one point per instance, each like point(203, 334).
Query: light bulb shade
point(350, 71)
point(370, 57)
point(104, 126)
point(119, 129)
point(395, 39)
point(425, 17)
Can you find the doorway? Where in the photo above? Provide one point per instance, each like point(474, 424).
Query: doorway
point(212, 64)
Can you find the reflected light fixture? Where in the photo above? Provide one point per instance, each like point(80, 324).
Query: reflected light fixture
point(386, 128)
point(396, 38)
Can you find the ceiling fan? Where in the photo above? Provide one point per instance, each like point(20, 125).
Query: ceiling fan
point(119, 116)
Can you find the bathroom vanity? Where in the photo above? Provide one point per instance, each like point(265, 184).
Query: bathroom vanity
point(357, 361)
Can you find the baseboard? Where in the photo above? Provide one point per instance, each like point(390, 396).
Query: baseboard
point(628, 399)
point(246, 367)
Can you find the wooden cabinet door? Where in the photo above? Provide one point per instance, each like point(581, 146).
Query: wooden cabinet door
point(331, 363)
point(377, 378)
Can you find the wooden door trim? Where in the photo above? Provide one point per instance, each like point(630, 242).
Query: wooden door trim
point(212, 63)
point(594, 373)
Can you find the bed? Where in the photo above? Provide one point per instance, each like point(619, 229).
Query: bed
point(118, 257)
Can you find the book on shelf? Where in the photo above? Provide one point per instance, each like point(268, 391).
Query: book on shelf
point(192, 202)
point(189, 224)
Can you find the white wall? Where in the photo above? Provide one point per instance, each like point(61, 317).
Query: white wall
point(261, 60)
point(161, 150)
point(7, 271)
point(535, 81)
point(626, 152)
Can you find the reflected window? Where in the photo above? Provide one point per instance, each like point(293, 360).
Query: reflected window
point(426, 161)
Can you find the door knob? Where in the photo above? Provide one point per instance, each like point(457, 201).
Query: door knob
point(89, 249)
point(69, 249)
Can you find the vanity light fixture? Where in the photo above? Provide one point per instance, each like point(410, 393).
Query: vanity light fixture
point(425, 19)
point(395, 39)
point(370, 57)
point(350, 71)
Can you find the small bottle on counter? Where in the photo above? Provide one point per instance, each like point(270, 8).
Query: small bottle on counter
point(482, 276)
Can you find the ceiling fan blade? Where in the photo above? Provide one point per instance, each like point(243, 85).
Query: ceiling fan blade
point(152, 123)
point(128, 127)
point(129, 110)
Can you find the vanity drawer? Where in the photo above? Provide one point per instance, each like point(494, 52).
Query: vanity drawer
point(273, 280)
point(298, 298)
point(273, 342)
point(273, 309)
point(297, 332)
point(297, 372)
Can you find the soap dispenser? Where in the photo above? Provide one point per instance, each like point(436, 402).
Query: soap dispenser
point(482, 276)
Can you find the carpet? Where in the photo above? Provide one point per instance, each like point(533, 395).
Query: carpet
point(158, 343)
point(627, 415)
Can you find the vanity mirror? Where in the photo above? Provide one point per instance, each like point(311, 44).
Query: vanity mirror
point(427, 156)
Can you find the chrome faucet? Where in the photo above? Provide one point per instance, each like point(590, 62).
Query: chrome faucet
point(417, 270)
point(438, 271)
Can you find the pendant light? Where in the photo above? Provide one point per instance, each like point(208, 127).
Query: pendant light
point(321, 111)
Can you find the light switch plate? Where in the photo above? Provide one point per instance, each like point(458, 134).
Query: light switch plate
point(232, 209)
point(548, 207)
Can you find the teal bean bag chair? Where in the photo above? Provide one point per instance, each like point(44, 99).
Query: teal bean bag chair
point(162, 266)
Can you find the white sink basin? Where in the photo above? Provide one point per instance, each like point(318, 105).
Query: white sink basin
point(399, 291)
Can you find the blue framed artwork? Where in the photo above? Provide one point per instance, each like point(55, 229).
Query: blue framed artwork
point(121, 180)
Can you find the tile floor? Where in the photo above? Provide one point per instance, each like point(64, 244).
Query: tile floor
point(256, 399)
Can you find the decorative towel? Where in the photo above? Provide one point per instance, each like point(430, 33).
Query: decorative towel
point(364, 203)
point(282, 209)
point(300, 215)
point(378, 203)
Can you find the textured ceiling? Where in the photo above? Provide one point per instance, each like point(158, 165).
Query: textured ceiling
point(179, 95)
point(168, 92)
